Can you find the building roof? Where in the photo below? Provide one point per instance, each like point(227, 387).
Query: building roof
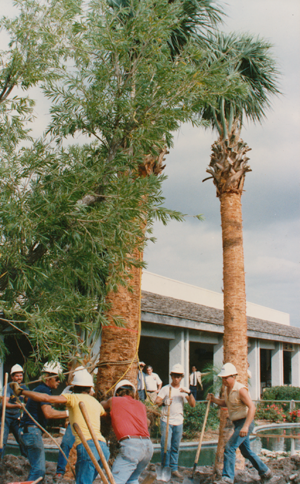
point(184, 311)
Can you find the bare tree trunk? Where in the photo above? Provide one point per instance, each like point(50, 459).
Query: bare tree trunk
point(235, 341)
point(235, 321)
point(119, 345)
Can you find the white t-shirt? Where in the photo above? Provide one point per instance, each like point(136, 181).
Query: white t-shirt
point(152, 381)
point(176, 408)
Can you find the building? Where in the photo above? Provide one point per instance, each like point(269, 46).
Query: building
point(183, 324)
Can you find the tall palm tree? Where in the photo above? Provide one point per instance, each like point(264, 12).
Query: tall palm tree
point(250, 57)
point(119, 344)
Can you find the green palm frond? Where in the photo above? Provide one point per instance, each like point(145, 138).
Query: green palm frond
point(251, 58)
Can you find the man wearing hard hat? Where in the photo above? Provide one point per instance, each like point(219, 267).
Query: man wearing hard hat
point(13, 413)
point(82, 383)
point(241, 411)
point(41, 410)
point(130, 424)
point(179, 395)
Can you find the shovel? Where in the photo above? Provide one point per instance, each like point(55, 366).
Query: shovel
point(3, 412)
point(192, 480)
point(164, 473)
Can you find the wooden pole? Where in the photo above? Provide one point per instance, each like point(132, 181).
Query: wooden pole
point(90, 453)
point(94, 437)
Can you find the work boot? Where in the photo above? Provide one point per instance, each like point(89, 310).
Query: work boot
point(176, 474)
point(266, 476)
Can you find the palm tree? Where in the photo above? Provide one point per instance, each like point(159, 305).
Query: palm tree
point(119, 344)
point(251, 58)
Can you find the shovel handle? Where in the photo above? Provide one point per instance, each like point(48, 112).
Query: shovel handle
point(202, 434)
point(3, 411)
point(167, 429)
point(90, 453)
point(95, 440)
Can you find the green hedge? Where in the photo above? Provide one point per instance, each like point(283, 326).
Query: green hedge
point(194, 417)
point(281, 393)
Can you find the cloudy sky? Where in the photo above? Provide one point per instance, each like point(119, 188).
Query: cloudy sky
point(191, 251)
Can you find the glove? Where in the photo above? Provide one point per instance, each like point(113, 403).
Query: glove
point(167, 402)
point(16, 388)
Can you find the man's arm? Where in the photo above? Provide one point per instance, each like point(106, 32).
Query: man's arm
point(246, 399)
point(191, 400)
point(50, 412)
point(44, 397)
point(159, 401)
point(106, 404)
point(218, 401)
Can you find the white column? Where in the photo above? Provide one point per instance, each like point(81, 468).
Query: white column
point(277, 365)
point(296, 367)
point(254, 362)
point(186, 365)
point(177, 349)
point(218, 354)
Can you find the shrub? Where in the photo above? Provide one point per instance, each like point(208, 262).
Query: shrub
point(281, 393)
point(194, 417)
point(274, 413)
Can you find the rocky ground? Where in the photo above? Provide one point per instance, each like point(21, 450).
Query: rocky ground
point(285, 469)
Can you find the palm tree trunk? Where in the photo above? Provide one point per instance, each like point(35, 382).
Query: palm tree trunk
point(119, 345)
point(235, 321)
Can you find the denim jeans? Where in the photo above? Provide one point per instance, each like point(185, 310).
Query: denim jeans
point(34, 447)
point(142, 395)
point(243, 443)
point(133, 458)
point(11, 424)
point(194, 391)
point(85, 469)
point(174, 438)
point(66, 445)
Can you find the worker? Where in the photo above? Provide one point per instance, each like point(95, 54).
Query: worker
point(195, 379)
point(41, 410)
point(13, 412)
point(179, 395)
point(241, 411)
point(82, 383)
point(130, 424)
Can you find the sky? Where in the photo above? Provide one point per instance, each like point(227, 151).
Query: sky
point(191, 251)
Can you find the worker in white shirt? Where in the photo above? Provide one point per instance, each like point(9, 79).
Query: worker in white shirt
point(153, 384)
point(195, 379)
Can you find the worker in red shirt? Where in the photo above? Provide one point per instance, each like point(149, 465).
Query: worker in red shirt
point(130, 424)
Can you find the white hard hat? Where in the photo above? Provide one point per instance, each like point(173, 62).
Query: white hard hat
point(227, 370)
point(82, 378)
point(178, 368)
point(16, 369)
point(124, 383)
point(52, 367)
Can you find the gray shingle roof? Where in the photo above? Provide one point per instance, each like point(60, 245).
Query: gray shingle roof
point(168, 306)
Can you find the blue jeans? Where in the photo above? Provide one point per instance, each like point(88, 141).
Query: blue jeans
point(11, 424)
point(85, 469)
point(66, 445)
point(34, 447)
point(133, 458)
point(194, 391)
point(243, 443)
point(142, 395)
point(174, 438)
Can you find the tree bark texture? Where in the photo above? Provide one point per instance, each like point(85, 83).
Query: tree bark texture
point(119, 345)
point(235, 321)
